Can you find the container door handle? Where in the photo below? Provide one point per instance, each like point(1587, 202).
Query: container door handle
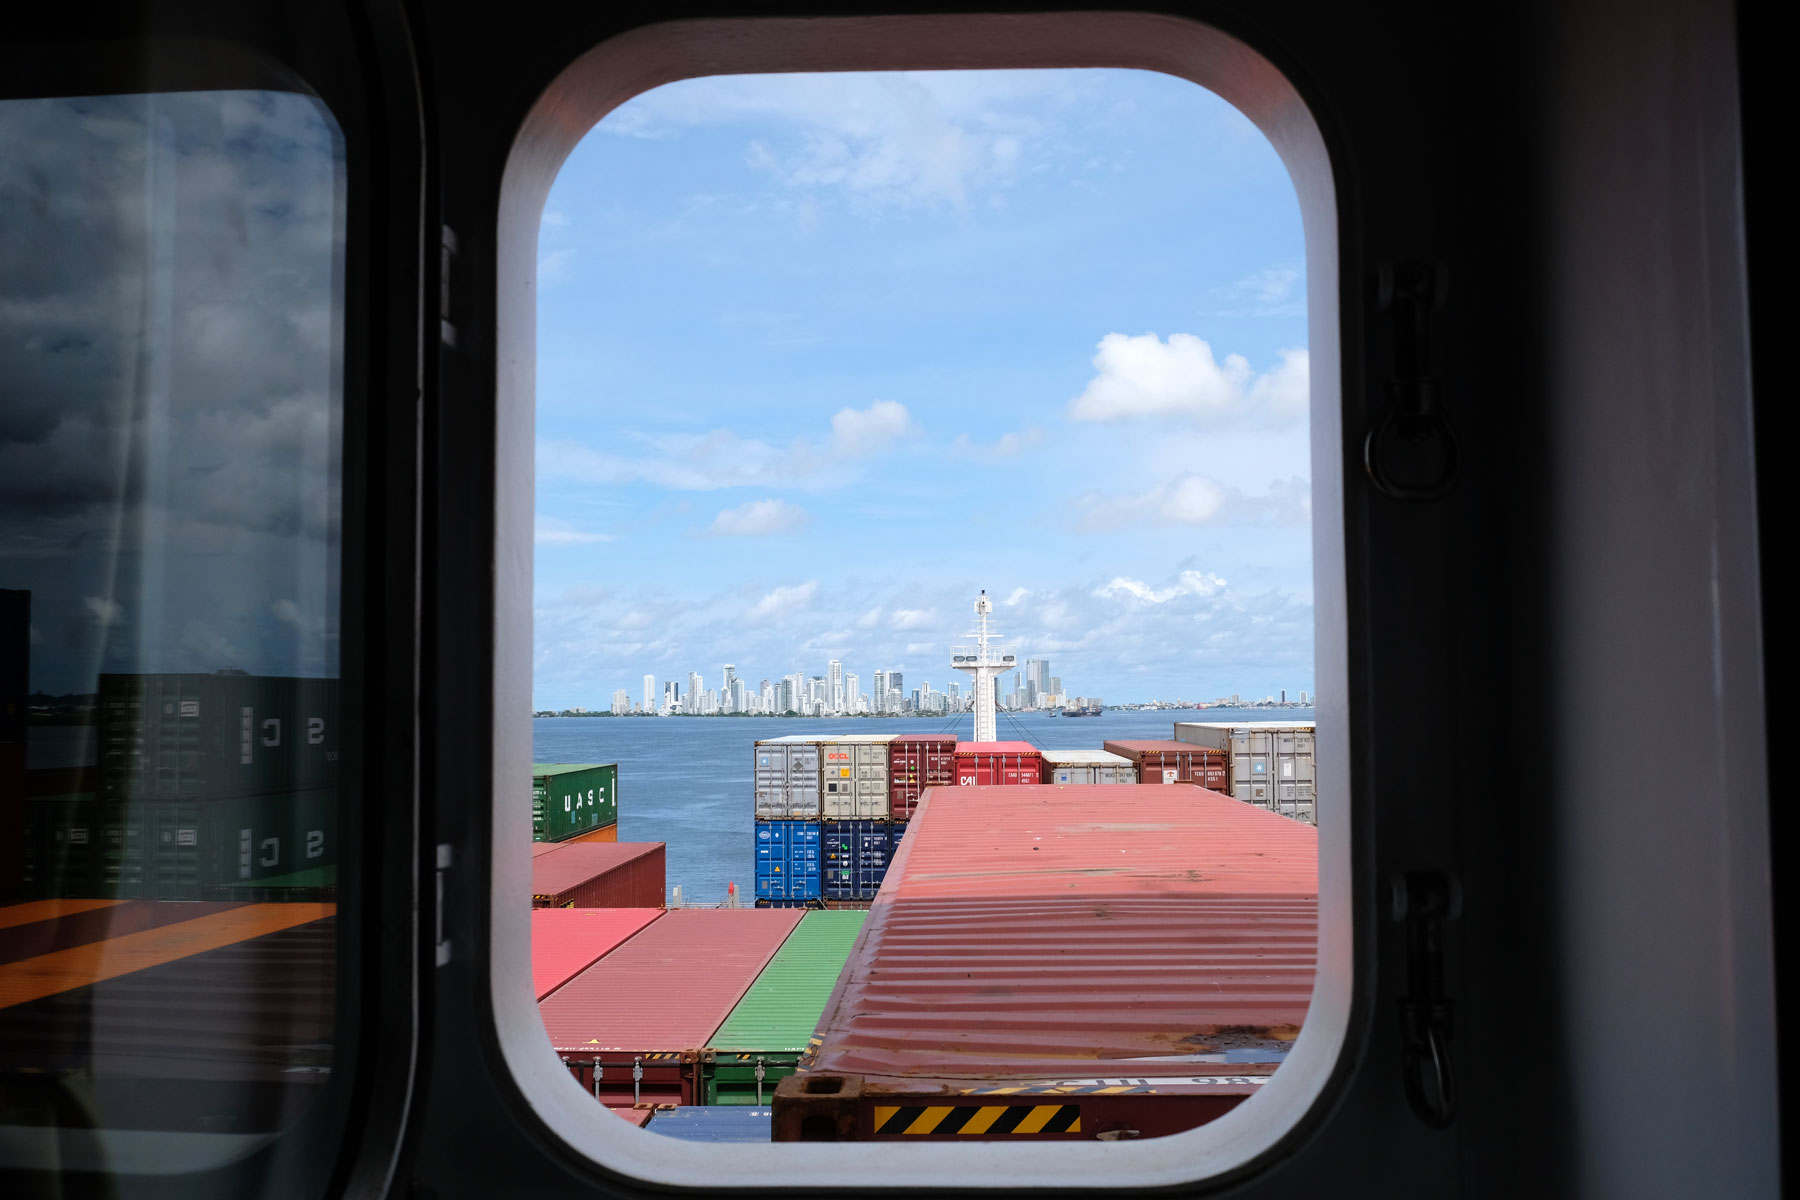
point(598, 1070)
point(1424, 901)
point(759, 1080)
point(1410, 452)
point(637, 1079)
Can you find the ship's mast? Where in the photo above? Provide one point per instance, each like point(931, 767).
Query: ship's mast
point(983, 664)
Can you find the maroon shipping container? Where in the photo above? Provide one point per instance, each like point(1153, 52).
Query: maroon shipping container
point(1177, 762)
point(916, 762)
point(599, 875)
point(641, 1015)
point(567, 941)
point(637, 1116)
point(1059, 963)
point(981, 764)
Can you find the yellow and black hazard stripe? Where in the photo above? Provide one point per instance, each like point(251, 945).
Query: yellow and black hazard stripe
point(1068, 1090)
point(972, 1120)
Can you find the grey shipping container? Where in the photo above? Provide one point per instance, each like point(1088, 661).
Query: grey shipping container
point(1270, 760)
point(1088, 766)
point(206, 737)
point(570, 799)
point(853, 777)
point(787, 779)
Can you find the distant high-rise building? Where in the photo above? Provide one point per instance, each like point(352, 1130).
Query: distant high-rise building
point(649, 692)
point(671, 693)
point(852, 685)
point(896, 682)
point(696, 687)
point(767, 694)
point(725, 686)
point(955, 697)
point(737, 695)
point(879, 691)
point(1284, 695)
point(621, 705)
point(834, 685)
point(1303, 699)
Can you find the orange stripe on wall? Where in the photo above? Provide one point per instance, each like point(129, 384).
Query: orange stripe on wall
point(48, 910)
point(65, 970)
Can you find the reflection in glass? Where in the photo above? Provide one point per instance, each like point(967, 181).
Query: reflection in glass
point(170, 408)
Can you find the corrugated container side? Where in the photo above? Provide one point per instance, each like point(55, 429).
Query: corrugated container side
point(1166, 761)
point(600, 875)
point(571, 799)
point(712, 1124)
point(916, 762)
point(854, 858)
point(651, 1005)
point(788, 860)
point(853, 777)
point(786, 778)
point(567, 941)
point(982, 764)
point(1087, 766)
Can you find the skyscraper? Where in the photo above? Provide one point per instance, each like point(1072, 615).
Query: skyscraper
point(852, 686)
point(896, 682)
point(695, 692)
point(649, 692)
point(621, 702)
point(834, 684)
point(725, 687)
point(878, 695)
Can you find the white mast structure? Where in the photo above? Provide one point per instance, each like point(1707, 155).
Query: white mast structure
point(983, 664)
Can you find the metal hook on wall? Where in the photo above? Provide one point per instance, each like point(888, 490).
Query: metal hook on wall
point(1410, 452)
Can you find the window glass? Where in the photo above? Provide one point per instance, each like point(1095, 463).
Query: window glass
point(171, 319)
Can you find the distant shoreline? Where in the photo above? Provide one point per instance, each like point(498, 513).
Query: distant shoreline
point(1029, 712)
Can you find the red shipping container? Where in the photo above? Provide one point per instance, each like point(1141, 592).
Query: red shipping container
point(1029, 948)
point(1177, 762)
point(642, 1014)
point(916, 762)
point(599, 875)
point(567, 941)
point(983, 764)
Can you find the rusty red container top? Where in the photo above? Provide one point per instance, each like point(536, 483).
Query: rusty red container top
point(927, 739)
point(670, 986)
point(1024, 749)
point(1058, 931)
point(637, 1116)
point(567, 941)
point(538, 848)
point(575, 863)
point(1137, 750)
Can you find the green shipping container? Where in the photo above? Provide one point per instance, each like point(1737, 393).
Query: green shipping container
point(770, 1026)
point(570, 799)
point(253, 839)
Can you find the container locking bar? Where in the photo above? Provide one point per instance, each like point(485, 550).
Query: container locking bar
point(1424, 901)
point(637, 1079)
point(759, 1080)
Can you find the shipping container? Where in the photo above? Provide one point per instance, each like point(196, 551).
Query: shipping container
point(606, 833)
point(632, 1026)
point(761, 1041)
point(707, 1123)
point(600, 875)
point(567, 941)
point(788, 862)
point(855, 855)
point(1264, 756)
point(786, 778)
point(853, 777)
point(253, 838)
point(1032, 947)
point(637, 1116)
point(208, 737)
point(1087, 766)
point(916, 762)
point(982, 764)
point(572, 799)
point(1177, 762)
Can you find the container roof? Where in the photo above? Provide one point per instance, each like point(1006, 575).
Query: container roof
point(1081, 930)
point(1250, 724)
point(670, 986)
point(1162, 746)
point(574, 863)
point(1087, 758)
point(934, 738)
point(864, 739)
point(782, 1008)
point(538, 769)
point(996, 748)
point(567, 941)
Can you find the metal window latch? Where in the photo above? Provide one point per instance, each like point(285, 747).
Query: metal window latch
point(1410, 451)
point(637, 1078)
point(444, 859)
point(446, 258)
point(759, 1081)
point(1424, 901)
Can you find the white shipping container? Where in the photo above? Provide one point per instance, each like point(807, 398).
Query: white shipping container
point(1088, 766)
point(1272, 763)
point(787, 779)
point(853, 777)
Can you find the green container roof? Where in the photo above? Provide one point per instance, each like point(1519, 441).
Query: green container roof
point(538, 769)
point(783, 1006)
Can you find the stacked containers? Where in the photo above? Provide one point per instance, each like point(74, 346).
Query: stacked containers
point(855, 857)
point(853, 777)
point(571, 800)
point(1177, 762)
point(631, 1027)
point(567, 941)
point(788, 860)
point(787, 779)
point(1257, 765)
point(916, 762)
point(599, 875)
point(981, 764)
point(1001, 981)
point(1087, 766)
point(762, 1040)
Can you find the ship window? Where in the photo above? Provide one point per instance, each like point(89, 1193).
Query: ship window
point(171, 403)
point(669, 465)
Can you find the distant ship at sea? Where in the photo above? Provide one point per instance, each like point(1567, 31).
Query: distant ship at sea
point(1079, 712)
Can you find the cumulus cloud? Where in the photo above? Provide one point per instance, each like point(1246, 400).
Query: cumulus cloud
point(1005, 446)
point(758, 518)
point(551, 532)
point(1193, 499)
point(784, 600)
point(1145, 376)
point(915, 618)
point(1201, 584)
point(863, 431)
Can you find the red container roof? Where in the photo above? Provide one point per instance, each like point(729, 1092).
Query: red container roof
point(915, 738)
point(1159, 746)
point(637, 1116)
point(1085, 930)
point(567, 941)
point(574, 863)
point(996, 748)
point(671, 986)
point(538, 848)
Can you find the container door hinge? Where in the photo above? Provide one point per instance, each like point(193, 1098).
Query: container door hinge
point(637, 1080)
point(1410, 451)
point(446, 261)
point(444, 858)
point(1424, 901)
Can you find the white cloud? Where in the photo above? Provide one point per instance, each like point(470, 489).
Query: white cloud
point(1005, 446)
point(555, 533)
point(915, 618)
point(1144, 376)
point(1194, 499)
point(1201, 584)
point(783, 600)
point(758, 518)
point(863, 431)
point(869, 619)
point(1270, 292)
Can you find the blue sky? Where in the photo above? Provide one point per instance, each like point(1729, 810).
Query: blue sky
point(821, 356)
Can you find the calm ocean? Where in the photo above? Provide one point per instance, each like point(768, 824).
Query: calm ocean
point(685, 781)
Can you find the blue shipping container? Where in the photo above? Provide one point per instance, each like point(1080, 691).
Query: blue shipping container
point(714, 1123)
point(787, 860)
point(856, 855)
